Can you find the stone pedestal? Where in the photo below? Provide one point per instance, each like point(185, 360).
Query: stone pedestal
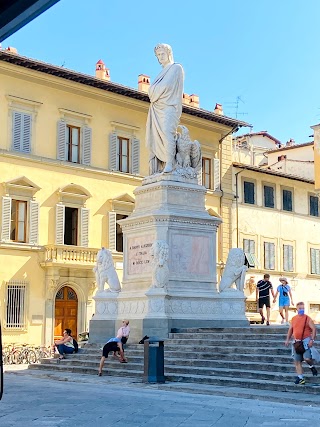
point(172, 209)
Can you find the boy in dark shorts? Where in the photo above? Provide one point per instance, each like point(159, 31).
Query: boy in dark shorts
point(263, 297)
point(113, 345)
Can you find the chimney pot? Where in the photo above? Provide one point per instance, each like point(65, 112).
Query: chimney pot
point(12, 49)
point(143, 83)
point(102, 72)
point(218, 109)
point(194, 101)
point(186, 99)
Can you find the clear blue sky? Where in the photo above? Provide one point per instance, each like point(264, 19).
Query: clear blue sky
point(265, 51)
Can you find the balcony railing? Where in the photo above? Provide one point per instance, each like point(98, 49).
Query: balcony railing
point(70, 254)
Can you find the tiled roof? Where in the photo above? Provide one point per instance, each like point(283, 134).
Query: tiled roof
point(272, 172)
point(87, 80)
point(291, 147)
point(261, 133)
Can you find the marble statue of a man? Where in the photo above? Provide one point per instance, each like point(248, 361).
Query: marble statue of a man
point(165, 95)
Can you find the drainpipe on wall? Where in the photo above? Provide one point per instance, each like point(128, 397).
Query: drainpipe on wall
point(234, 129)
point(237, 205)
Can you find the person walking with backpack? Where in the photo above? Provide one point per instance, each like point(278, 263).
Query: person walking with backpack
point(285, 296)
point(304, 332)
point(263, 296)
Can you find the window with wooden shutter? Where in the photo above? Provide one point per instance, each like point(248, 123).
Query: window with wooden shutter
point(249, 249)
point(288, 258)
point(287, 200)
point(6, 219)
point(269, 256)
point(84, 227)
point(61, 140)
point(86, 145)
point(206, 172)
point(216, 174)
point(18, 231)
point(119, 234)
point(112, 230)
point(60, 215)
point(268, 192)
point(135, 156)
point(313, 206)
point(315, 260)
point(113, 151)
point(248, 189)
point(33, 222)
point(21, 132)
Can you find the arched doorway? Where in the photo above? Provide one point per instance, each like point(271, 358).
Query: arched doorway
point(66, 312)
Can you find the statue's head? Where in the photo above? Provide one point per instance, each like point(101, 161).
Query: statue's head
point(164, 54)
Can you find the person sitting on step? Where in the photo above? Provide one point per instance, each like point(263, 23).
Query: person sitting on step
point(65, 345)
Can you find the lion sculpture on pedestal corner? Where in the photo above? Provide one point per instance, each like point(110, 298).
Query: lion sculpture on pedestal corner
point(105, 272)
point(234, 271)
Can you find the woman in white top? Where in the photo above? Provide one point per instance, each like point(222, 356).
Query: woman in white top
point(124, 331)
point(65, 345)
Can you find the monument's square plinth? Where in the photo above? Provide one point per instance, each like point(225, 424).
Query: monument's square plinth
point(171, 210)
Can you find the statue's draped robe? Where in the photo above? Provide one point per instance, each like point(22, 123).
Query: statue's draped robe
point(165, 110)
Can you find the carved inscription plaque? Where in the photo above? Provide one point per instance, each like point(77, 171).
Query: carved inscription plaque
point(139, 259)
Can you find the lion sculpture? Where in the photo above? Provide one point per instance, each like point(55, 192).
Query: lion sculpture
point(234, 271)
point(105, 272)
point(159, 254)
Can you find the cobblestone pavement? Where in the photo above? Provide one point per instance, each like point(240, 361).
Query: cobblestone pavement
point(111, 401)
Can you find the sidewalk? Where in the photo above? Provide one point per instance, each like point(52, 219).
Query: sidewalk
point(110, 401)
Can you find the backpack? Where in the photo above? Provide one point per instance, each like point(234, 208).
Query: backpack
point(76, 346)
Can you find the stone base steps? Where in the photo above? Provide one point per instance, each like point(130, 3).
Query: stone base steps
point(247, 358)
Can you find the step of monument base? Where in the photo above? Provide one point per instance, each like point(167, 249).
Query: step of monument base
point(310, 387)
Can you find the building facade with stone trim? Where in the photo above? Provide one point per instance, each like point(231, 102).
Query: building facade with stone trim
point(72, 152)
point(276, 220)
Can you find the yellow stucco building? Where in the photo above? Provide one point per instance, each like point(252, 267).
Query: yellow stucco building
point(72, 151)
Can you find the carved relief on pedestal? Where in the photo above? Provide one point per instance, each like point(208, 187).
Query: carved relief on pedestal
point(160, 273)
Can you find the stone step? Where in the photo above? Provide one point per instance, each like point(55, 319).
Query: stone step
point(213, 348)
point(222, 336)
point(227, 381)
point(226, 343)
point(283, 367)
point(252, 330)
point(240, 371)
point(203, 356)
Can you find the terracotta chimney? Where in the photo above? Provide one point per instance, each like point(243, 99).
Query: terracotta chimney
point(218, 109)
point(143, 83)
point(102, 72)
point(186, 99)
point(12, 50)
point(290, 143)
point(194, 100)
